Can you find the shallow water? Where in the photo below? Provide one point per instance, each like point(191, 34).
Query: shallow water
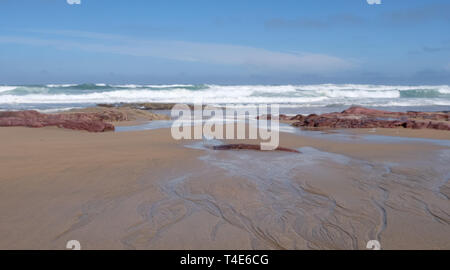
point(339, 135)
point(335, 135)
point(312, 200)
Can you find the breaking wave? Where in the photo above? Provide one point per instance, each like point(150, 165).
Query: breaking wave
point(323, 95)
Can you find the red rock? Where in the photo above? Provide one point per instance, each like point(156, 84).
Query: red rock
point(359, 117)
point(298, 117)
point(92, 122)
point(250, 147)
point(270, 117)
point(361, 110)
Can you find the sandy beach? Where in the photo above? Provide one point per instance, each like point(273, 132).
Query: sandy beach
point(224, 130)
point(145, 190)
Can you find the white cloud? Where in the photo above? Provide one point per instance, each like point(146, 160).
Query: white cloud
point(209, 53)
point(74, 2)
point(372, 2)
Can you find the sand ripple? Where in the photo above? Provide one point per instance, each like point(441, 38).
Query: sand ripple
point(314, 200)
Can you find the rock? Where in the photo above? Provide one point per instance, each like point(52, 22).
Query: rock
point(298, 117)
point(361, 110)
point(356, 110)
point(106, 105)
point(270, 117)
point(250, 147)
point(118, 114)
point(77, 121)
point(439, 126)
point(146, 106)
point(360, 117)
point(93, 119)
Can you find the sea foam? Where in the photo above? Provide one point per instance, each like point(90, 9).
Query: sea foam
point(321, 95)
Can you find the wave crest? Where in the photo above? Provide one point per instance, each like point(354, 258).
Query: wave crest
point(308, 95)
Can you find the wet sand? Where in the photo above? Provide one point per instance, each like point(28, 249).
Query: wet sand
point(144, 190)
point(401, 132)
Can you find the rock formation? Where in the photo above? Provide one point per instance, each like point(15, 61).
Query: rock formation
point(78, 121)
point(250, 147)
point(359, 117)
point(95, 119)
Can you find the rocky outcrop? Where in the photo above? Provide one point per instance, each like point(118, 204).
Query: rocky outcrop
point(270, 117)
point(436, 116)
point(140, 106)
point(93, 119)
point(118, 114)
point(360, 117)
point(150, 106)
point(77, 121)
point(250, 147)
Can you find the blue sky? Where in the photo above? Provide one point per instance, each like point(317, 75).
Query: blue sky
point(225, 42)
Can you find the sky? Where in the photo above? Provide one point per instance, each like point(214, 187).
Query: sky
point(225, 42)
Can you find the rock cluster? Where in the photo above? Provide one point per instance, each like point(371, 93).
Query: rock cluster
point(281, 117)
point(92, 122)
point(359, 117)
point(250, 147)
point(140, 106)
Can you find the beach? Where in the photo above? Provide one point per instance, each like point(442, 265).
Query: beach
point(144, 190)
point(224, 131)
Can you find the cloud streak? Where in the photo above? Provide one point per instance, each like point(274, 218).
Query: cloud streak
point(426, 13)
point(436, 49)
point(444, 47)
point(331, 21)
point(209, 53)
point(406, 16)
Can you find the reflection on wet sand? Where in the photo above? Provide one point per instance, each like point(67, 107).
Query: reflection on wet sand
point(313, 200)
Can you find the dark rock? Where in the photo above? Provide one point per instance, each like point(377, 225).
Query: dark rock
point(359, 117)
point(92, 122)
point(298, 117)
point(270, 117)
point(250, 147)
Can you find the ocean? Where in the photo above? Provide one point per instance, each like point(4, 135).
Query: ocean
point(318, 98)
